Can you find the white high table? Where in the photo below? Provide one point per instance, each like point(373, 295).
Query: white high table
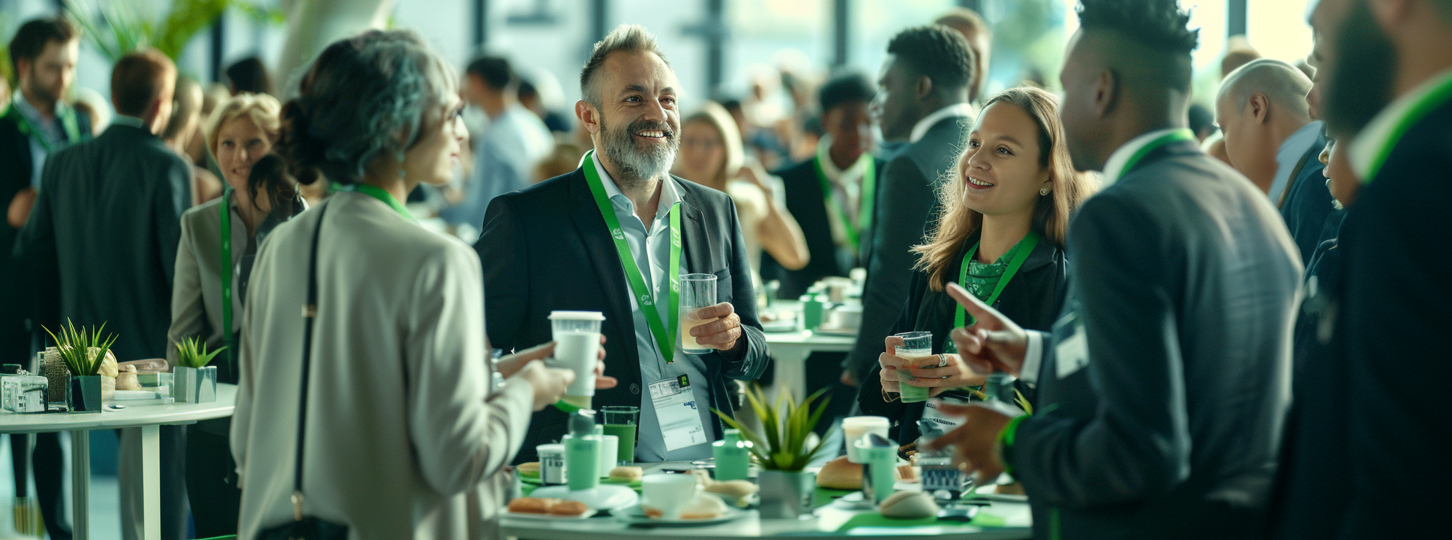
point(790, 351)
point(148, 418)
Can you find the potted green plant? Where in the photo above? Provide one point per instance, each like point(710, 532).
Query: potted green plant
point(84, 353)
point(787, 489)
point(193, 381)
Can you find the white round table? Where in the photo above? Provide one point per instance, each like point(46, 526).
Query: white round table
point(149, 418)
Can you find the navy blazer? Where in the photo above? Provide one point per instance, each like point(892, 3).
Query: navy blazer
point(1396, 354)
point(1308, 202)
point(546, 248)
point(1033, 299)
point(17, 301)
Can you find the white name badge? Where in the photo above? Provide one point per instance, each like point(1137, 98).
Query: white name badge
point(677, 413)
point(943, 421)
point(1072, 351)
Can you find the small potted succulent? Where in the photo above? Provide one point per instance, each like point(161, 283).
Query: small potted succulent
point(193, 381)
point(84, 353)
point(787, 489)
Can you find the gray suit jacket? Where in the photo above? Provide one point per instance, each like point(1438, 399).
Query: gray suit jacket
point(107, 223)
point(906, 197)
point(1185, 286)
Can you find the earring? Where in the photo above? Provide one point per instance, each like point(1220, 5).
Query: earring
point(1044, 191)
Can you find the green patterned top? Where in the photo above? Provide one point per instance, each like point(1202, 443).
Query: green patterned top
point(982, 279)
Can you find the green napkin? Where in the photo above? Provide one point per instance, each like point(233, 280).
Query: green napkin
point(824, 496)
point(876, 519)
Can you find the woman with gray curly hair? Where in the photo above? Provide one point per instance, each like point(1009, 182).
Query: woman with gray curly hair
point(405, 436)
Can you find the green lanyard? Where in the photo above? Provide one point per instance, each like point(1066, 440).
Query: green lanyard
point(68, 123)
point(864, 212)
point(380, 194)
point(226, 274)
point(1439, 95)
point(665, 336)
point(1171, 137)
point(1021, 253)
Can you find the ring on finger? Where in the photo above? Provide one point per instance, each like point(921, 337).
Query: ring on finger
point(942, 360)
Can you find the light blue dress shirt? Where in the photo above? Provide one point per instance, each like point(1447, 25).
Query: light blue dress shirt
point(54, 134)
point(651, 250)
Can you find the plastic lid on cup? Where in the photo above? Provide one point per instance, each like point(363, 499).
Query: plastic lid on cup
point(576, 316)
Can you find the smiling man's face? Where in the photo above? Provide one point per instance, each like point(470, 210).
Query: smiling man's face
point(640, 120)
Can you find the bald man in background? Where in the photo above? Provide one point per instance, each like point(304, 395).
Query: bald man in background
point(1272, 139)
point(980, 39)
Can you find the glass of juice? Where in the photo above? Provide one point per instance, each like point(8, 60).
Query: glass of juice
point(697, 291)
point(620, 421)
point(915, 345)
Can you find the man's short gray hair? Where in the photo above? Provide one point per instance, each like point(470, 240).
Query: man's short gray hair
point(1283, 83)
point(624, 38)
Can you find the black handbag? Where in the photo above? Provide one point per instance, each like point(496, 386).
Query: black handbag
point(306, 527)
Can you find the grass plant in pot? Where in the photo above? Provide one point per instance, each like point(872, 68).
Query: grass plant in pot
point(84, 353)
point(787, 489)
point(193, 381)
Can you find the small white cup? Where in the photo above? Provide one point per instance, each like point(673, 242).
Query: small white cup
point(551, 463)
point(854, 428)
point(669, 493)
point(609, 447)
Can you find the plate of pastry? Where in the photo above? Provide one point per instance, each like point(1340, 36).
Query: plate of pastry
point(547, 509)
point(707, 509)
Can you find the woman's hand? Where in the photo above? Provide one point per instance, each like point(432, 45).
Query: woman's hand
point(549, 383)
point(890, 364)
point(511, 364)
point(954, 374)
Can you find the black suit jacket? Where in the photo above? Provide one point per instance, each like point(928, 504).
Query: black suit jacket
point(546, 248)
point(1185, 287)
point(1308, 202)
point(807, 204)
point(1033, 299)
point(16, 297)
point(107, 223)
point(1397, 297)
point(906, 196)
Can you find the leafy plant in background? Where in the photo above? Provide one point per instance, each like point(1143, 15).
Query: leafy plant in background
point(192, 353)
point(117, 27)
point(76, 346)
point(782, 444)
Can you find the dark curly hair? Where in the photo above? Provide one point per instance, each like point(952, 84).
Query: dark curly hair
point(1159, 24)
point(845, 88)
point(936, 52)
point(356, 99)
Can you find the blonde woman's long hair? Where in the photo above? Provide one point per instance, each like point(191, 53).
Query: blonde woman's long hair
point(956, 222)
point(717, 117)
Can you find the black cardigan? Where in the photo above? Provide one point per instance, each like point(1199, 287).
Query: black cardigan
point(1032, 299)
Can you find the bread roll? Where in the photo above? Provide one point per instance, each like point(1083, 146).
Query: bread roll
point(907, 473)
point(532, 505)
point(568, 508)
point(706, 506)
point(840, 474)
point(734, 488)
point(528, 469)
point(908, 505)
point(627, 473)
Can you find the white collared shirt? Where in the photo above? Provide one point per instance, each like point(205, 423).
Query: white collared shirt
point(846, 186)
point(1372, 138)
point(52, 130)
point(652, 251)
point(920, 129)
point(1114, 167)
point(128, 121)
point(1289, 155)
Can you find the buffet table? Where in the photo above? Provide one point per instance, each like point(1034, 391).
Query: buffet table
point(790, 349)
point(148, 418)
point(1000, 519)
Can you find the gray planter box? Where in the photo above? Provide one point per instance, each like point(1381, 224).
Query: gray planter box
point(787, 495)
point(194, 385)
point(85, 393)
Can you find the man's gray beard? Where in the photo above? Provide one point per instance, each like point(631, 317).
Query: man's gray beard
point(637, 168)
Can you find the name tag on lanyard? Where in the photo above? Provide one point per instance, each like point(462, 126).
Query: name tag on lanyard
point(677, 413)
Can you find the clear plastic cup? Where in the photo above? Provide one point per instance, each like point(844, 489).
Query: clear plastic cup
point(577, 347)
point(916, 345)
point(697, 291)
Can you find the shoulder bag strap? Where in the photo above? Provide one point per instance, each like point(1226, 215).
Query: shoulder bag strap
point(309, 312)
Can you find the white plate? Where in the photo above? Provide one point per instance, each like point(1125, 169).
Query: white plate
point(634, 515)
point(545, 517)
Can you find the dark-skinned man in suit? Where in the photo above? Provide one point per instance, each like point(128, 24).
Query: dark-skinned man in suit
point(1162, 387)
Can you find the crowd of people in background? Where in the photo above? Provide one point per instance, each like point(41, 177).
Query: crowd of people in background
point(1220, 313)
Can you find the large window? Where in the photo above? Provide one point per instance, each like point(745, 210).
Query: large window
point(1279, 30)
